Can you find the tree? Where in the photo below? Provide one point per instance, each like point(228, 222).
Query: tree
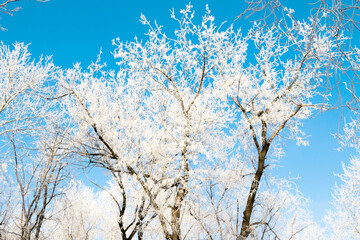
point(277, 91)
point(38, 174)
point(33, 164)
point(22, 80)
point(86, 93)
point(342, 18)
point(344, 218)
point(163, 120)
point(185, 106)
point(187, 130)
point(82, 213)
point(76, 214)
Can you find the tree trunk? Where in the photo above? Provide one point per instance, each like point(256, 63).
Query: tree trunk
point(245, 226)
point(180, 196)
point(176, 213)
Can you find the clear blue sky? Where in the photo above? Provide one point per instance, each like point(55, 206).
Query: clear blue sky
point(75, 30)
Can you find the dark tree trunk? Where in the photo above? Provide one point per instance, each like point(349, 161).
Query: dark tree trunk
point(245, 226)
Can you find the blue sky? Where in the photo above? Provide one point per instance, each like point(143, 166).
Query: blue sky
point(75, 30)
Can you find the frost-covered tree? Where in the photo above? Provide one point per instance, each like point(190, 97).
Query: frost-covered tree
point(33, 164)
point(344, 217)
point(105, 128)
point(160, 119)
point(186, 129)
point(275, 91)
point(75, 215)
point(83, 213)
point(22, 80)
point(341, 18)
point(187, 111)
point(36, 175)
